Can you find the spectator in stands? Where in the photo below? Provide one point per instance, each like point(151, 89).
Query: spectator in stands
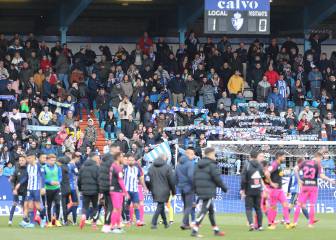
point(90, 133)
point(208, 95)
point(272, 75)
point(235, 84)
point(177, 87)
point(304, 125)
point(263, 90)
point(306, 111)
point(62, 69)
point(122, 143)
point(8, 170)
point(225, 101)
point(45, 116)
point(315, 40)
point(110, 125)
point(105, 50)
point(273, 49)
point(277, 99)
point(3, 71)
point(316, 123)
point(315, 79)
point(331, 86)
point(191, 90)
point(102, 105)
point(125, 110)
point(192, 43)
point(256, 77)
point(145, 43)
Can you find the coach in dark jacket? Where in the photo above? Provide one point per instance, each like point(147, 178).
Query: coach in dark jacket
point(65, 185)
point(207, 178)
point(88, 185)
point(88, 178)
point(19, 179)
point(251, 187)
point(162, 185)
point(104, 185)
point(184, 181)
point(19, 182)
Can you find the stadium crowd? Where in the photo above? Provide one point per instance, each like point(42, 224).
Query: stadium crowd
point(241, 89)
point(150, 95)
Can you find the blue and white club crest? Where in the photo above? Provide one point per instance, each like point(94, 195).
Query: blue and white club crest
point(237, 21)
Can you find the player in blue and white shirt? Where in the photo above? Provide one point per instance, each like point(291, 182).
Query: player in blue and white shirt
point(73, 173)
point(35, 188)
point(132, 177)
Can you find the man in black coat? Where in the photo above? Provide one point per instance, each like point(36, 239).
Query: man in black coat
point(19, 181)
point(251, 188)
point(104, 184)
point(122, 143)
point(89, 187)
point(162, 185)
point(207, 178)
point(65, 187)
point(184, 181)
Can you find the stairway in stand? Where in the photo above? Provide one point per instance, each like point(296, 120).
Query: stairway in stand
point(100, 143)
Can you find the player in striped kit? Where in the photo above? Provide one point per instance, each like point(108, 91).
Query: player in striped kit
point(132, 177)
point(35, 189)
point(141, 190)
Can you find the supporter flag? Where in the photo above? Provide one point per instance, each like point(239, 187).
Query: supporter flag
point(161, 149)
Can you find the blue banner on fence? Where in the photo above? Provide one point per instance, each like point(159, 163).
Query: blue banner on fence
point(229, 202)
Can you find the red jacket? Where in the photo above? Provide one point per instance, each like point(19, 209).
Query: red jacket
point(53, 79)
point(272, 77)
point(44, 64)
point(145, 44)
point(302, 124)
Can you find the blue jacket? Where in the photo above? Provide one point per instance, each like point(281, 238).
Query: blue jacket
point(315, 79)
point(278, 101)
point(328, 165)
point(47, 151)
point(184, 174)
point(8, 171)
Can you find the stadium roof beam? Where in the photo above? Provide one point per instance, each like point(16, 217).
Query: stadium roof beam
point(188, 13)
point(69, 10)
point(317, 12)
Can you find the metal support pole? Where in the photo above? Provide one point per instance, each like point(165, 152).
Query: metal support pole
point(63, 31)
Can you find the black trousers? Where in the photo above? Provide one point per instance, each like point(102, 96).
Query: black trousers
point(108, 208)
point(93, 200)
point(65, 201)
point(160, 210)
point(188, 199)
point(253, 202)
point(53, 196)
point(207, 207)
